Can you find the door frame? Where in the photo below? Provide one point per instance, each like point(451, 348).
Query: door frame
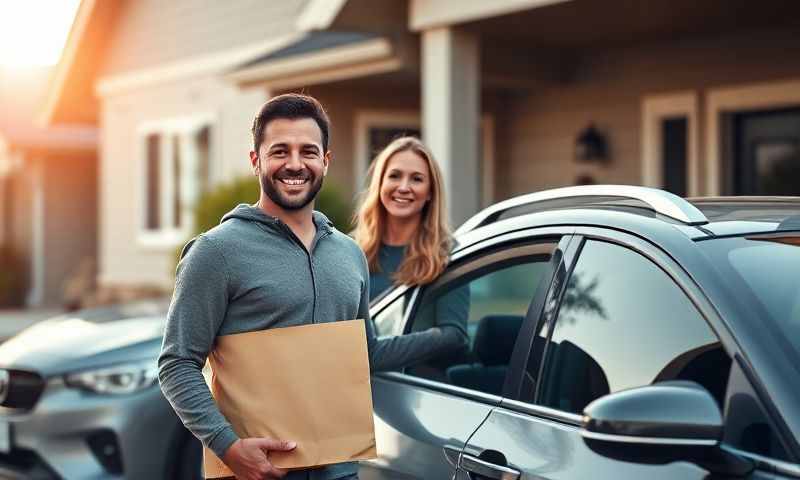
point(719, 101)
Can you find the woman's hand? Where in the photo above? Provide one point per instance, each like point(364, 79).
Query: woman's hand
point(248, 458)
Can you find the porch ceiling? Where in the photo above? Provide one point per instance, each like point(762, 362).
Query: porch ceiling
point(582, 24)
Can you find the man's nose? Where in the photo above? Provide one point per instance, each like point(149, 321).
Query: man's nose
point(294, 162)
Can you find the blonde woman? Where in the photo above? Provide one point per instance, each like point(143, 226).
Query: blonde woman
point(401, 225)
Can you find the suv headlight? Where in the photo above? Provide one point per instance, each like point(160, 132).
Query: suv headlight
point(116, 380)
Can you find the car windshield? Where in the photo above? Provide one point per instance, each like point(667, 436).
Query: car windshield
point(767, 268)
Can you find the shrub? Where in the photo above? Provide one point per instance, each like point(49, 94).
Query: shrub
point(13, 278)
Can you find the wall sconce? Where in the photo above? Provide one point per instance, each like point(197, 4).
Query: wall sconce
point(591, 146)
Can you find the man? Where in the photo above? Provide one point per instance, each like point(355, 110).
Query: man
point(274, 264)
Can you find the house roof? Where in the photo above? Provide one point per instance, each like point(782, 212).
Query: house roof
point(21, 94)
point(76, 82)
point(313, 42)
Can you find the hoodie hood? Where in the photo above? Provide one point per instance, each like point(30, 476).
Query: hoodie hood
point(252, 213)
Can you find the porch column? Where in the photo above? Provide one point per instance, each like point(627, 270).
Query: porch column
point(451, 114)
point(37, 251)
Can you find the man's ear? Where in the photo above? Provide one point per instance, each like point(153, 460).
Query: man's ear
point(254, 163)
point(326, 161)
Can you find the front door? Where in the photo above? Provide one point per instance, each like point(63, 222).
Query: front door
point(767, 152)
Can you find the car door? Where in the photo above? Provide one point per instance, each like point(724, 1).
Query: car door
point(425, 414)
point(621, 320)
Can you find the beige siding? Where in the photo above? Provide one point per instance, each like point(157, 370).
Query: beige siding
point(607, 89)
point(151, 33)
point(70, 218)
point(123, 259)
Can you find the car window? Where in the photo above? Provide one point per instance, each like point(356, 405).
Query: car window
point(624, 323)
point(480, 307)
point(389, 321)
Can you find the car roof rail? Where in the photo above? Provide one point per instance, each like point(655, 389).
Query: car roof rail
point(660, 201)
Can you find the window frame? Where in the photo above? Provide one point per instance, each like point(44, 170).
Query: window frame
point(474, 253)
point(167, 236)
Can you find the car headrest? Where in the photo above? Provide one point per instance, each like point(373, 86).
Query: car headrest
point(495, 338)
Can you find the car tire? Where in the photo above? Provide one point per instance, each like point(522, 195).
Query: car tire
point(190, 460)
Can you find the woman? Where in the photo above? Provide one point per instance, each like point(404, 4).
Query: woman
point(402, 227)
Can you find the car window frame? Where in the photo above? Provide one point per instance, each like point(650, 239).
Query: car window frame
point(651, 252)
point(560, 237)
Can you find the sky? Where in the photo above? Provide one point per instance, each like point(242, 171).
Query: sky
point(33, 32)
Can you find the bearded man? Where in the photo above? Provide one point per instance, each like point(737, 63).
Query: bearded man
point(277, 263)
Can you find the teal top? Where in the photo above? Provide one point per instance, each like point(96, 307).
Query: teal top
point(389, 259)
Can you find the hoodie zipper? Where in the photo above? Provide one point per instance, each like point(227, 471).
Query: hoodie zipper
point(309, 256)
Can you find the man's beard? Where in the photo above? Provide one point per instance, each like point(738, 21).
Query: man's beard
point(281, 200)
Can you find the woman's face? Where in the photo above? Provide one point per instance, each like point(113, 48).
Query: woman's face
point(406, 185)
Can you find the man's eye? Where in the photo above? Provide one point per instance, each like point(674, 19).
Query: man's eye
point(310, 153)
point(278, 153)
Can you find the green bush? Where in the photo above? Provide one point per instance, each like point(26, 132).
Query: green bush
point(13, 278)
point(215, 203)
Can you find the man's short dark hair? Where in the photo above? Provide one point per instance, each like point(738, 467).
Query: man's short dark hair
point(290, 106)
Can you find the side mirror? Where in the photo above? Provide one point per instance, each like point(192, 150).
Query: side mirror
point(658, 424)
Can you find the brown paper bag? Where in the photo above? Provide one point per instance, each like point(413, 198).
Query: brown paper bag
point(309, 384)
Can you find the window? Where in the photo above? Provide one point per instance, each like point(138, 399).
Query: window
point(480, 307)
point(176, 166)
point(624, 323)
point(669, 142)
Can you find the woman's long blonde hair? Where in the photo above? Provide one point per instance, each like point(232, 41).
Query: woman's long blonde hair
point(427, 254)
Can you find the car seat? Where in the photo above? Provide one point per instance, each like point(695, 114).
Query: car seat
point(494, 342)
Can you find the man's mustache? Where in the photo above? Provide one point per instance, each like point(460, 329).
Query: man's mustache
point(304, 175)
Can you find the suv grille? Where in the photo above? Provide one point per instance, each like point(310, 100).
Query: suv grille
point(20, 389)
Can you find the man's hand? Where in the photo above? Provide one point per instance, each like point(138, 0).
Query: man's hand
point(248, 458)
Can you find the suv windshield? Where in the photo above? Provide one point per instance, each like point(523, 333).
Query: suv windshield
point(765, 268)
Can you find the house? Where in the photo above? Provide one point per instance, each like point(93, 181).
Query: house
point(48, 193)
point(698, 97)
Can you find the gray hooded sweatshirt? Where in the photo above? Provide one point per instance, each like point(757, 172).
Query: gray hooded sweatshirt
point(252, 273)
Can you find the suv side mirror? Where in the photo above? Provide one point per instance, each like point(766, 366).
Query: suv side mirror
point(661, 423)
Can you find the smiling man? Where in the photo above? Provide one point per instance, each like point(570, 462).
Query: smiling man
point(274, 264)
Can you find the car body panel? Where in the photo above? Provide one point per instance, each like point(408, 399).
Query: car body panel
point(545, 449)
point(414, 422)
point(70, 344)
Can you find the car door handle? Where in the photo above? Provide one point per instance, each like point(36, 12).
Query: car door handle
point(451, 454)
point(489, 470)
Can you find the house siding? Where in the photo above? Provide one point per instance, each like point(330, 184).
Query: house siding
point(151, 33)
point(123, 259)
point(70, 235)
point(608, 91)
